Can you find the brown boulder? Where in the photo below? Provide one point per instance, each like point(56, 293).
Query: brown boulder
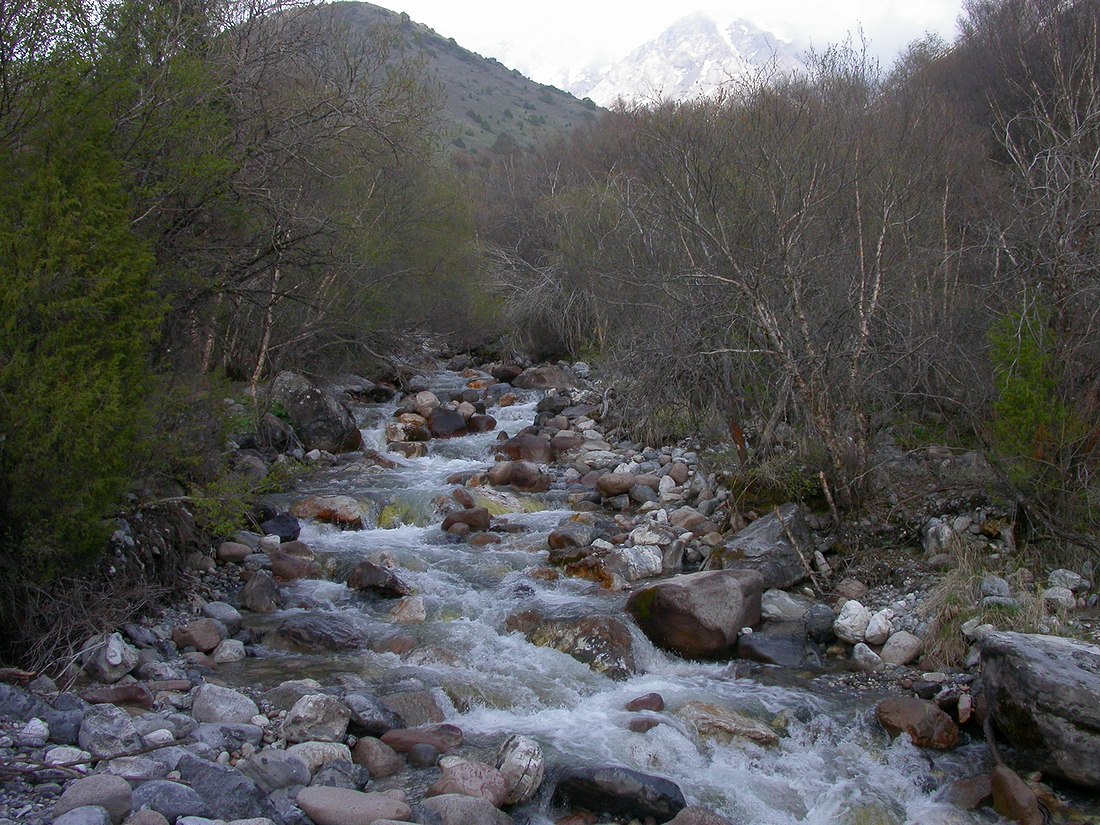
point(470, 778)
point(926, 724)
point(1013, 798)
point(442, 737)
point(480, 423)
point(476, 518)
point(601, 642)
point(342, 510)
point(526, 477)
point(376, 579)
point(444, 423)
point(201, 634)
point(699, 615)
point(529, 447)
point(614, 484)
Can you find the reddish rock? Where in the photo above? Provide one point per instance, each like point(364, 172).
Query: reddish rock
point(969, 794)
point(480, 423)
point(342, 510)
point(526, 477)
point(409, 449)
point(566, 440)
point(442, 737)
point(298, 549)
point(291, 568)
point(926, 724)
point(529, 447)
point(614, 484)
point(678, 472)
point(464, 497)
point(642, 725)
point(136, 694)
point(377, 579)
point(469, 778)
point(233, 552)
point(476, 518)
point(1013, 798)
point(484, 540)
point(444, 423)
point(651, 701)
point(500, 474)
point(377, 757)
point(202, 634)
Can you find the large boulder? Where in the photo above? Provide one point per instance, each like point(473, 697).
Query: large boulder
point(545, 377)
point(342, 806)
point(699, 615)
point(766, 546)
point(1044, 696)
point(320, 419)
point(622, 791)
point(926, 724)
point(601, 642)
point(107, 658)
point(318, 633)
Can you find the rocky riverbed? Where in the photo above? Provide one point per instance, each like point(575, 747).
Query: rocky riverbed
point(493, 610)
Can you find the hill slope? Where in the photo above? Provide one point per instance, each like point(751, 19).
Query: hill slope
point(486, 105)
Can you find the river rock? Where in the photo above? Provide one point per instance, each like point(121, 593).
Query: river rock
point(851, 625)
point(170, 799)
point(529, 447)
point(285, 694)
point(601, 642)
point(614, 484)
point(415, 707)
point(1059, 599)
point(85, 815)
point(470, 778)
point(455, 809)
point(476, 518)
point(225, 613)
point(342, 806)
point(202, 634)
point(319, 418)
point(1067, 579)
point(318, 754)
point(377, 757)
point(765, 546)
point(260, 594)
point(318, 633)
point(926, 724)
point(864, 658)
point(618, 790)
point(698, 816)
point(316, 718)
point(880, 627)
point(699, 615)
point(781, 606)
point(228, 792)
point(521, 763)
point(443, 737)
point(724, 725)
point(107, 658)
point(213, 703)
point(481, 423)
point(901, 648)
point(272, 769)
point(445, 423)
point(378, 580)
point(104, 790)
point(344, 511)
point(282, 526)
point(369, 716)
point(527, 477)
point(1044, 696)
point(545, 377)
point(1013, 798)
point(779, 643)
point(227, 736)
point(616, 568)
point(108, 731)
point(819, 623)
point(230, 650)
point(18, 705)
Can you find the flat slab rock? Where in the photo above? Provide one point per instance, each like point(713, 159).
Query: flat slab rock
point(766, 546)
point(1044, 697)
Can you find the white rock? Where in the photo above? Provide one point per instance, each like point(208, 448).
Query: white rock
point(521, 763)
point(936, 536)
point(666, 485)
point(647, 535)
point(410, 610)
point(316, 754)
point(213, 703)
point(316, 717)
point(901, 648)
point(67, 754)
point(851, 625)
point(880, 628)
point(1059, 598)
point(1067, 579)
point(228, 650)
point(35, 733)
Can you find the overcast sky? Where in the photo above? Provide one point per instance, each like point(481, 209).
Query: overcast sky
point(562, 34)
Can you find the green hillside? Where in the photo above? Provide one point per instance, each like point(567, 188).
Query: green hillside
point(487, 105)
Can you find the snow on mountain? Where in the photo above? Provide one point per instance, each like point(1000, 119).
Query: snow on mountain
point(694, 56)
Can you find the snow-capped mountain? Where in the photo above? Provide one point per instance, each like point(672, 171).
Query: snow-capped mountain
point(694, 56)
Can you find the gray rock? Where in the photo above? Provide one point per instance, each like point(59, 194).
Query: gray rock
point(1067, 579)
point(341, 773)
point(213, 703)
point(620, 790)
point(66, 717)
point(319, 418)
point(228, 792)
point(601, 642)
point(369, 716)
point(765, 546)
point(316, 718)
point(227, 737)
point(901, 648)
point(699, 615)
point(285, 694)
point(995, 586)
point(318, 633)
point(17, 705)
point(1044, 696)
point(109, 792)
point(819, 623)
point(455, 809)
point(225, 613)
point(781, 606)
point(1002, 603)
point(108, 731)
point(780, 643)
point(138, 768)
point(272, 769)
point(171, 799)
point(1059, 598)
point(107, 657)
point(260, 594)
point(865, 658)
point(85, 815)
point(880, 628)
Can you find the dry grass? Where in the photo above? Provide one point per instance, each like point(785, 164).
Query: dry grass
point(957, 599)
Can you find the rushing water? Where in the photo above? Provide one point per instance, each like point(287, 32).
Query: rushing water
point(834, 766)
